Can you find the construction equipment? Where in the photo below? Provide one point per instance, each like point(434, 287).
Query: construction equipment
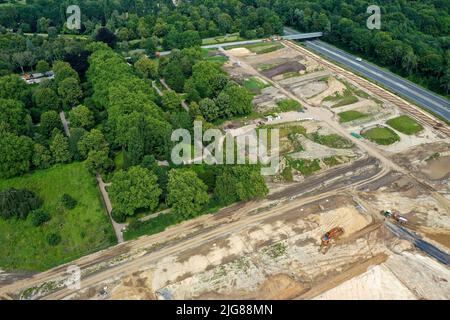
point(328, 237)
point(394, 215)
point(386, 213)
point(400, 219)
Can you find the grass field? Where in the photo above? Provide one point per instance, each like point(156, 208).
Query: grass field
point(342, 100)
point(381, 135)
point(286, 105)
point(222, 39)
point(84, 229)
point(332, 140)
point(405, 125)
point(255, 85)
point(351, 115)
point(305, 166)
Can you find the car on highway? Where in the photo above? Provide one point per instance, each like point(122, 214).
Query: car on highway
point(358, 59)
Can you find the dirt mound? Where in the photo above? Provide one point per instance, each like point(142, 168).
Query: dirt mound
point(345, 217)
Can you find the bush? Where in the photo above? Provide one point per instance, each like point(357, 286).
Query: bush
point(118, 216)
point(38, 217)
point(18, 203)
point(53, 239)
point(68, 201)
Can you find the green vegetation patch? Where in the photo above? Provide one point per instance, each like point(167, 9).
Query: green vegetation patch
point(161, 222)
point(331, 161)
point(291, 74)
point(255, 85)
point(405, 125)
point(276, 250)
point(286, 174)
point(332, 140)
point(286, 105)
point(83, 229)
point(342, 99)
point(381, 135)
point(217, 58)
point(222, 39)
point(351, 115)
point(305, 166)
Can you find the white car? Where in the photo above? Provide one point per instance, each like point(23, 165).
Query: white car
point(358, 59)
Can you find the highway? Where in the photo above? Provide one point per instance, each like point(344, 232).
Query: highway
point(415, 93)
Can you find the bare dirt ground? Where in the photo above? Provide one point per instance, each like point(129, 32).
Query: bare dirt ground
point(430, 161)
point(334, 87)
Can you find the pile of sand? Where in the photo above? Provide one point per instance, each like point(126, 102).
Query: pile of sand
point(346, 217)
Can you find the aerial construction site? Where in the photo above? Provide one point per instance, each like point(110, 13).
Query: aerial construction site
point(359, 207)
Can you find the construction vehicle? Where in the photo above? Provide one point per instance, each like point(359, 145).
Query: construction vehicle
point(386, 213)
point(328, 237)
point(400, 219)
point(394, 215)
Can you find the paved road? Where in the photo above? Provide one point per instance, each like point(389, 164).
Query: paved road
point(117, 226)
point(65, 123)
point(426, 247)
point(422, 97)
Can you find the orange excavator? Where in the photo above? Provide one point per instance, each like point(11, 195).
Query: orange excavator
point(329, 236)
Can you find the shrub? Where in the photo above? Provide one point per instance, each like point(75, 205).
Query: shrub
point(53, 239)
point(68, 201)
point(118, 216)
point(39, 216)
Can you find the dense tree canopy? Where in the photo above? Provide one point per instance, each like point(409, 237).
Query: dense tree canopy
point(240, 183)
point(18, 203)
point(186, 192)
point(133, 189)
point(15, 158)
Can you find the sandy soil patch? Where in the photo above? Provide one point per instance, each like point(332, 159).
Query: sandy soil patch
point(346, 217)
point(283, 55)
point(378, 283)
point(310, 89)
point(363, 105)
point(134, 288)
point(334, 87)
point(240, 52)
point(437, 169)
point(425, 277)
